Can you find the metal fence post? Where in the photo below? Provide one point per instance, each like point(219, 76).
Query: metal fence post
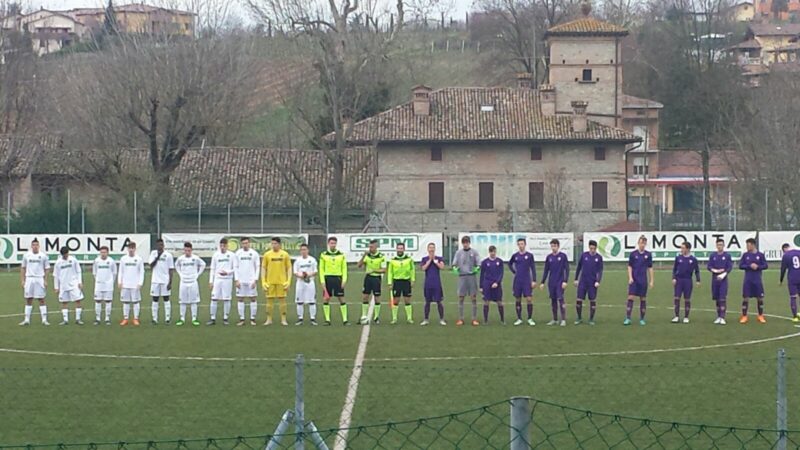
point(69, 209)
point(299, 402)
point(83, 218)
point(781, 400)
point(199, 209)
point(262, 211)
point(275, 440)
point(158, 220)
point(135, 212)
point(766, 209)
point(229, 218)
point(520, 427)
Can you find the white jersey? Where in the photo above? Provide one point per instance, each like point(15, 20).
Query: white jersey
point(222, 266)
point(35, 264)
point(105, 273)
point(248, 266)
point(131, 272)
point(189, 268)
point(160, 265)
point(67, 274)
point(307, 265)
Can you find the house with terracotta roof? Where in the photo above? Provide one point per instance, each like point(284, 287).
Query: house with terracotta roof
point(139, 18)
point(49, 31)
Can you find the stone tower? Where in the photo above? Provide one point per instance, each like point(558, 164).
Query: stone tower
point(586, 66)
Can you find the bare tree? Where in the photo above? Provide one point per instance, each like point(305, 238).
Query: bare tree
point(622, 12)
point(556, 214)
point(162, 95)
point(349, 61)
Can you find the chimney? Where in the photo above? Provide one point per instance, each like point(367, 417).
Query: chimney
point(579, 121)
point(547, 99)
point(421, 100)
point(524, 80)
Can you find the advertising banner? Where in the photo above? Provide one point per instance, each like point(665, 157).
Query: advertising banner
point(770, 242)
point(84, 247)
point(205, 244)
point(666, 245)
point(506, 243)
point(355, 245)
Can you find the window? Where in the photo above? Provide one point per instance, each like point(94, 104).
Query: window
point(642, 132)
point(436, 195)
point(599, 153)
point(436, 153)
point(599, 195)
point(536, 195)
point(536, 153)
point(42, 43)
point(485, 195)
point(587, 75)
point(640, 166)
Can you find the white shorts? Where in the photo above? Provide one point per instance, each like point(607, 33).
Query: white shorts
point(103, 296)
point(305, 293)
point(130, 295)
point(34, 288)
point(70, 295)
point(189, 293)
point(159, 290)
point(222, 289)
point(247, 290)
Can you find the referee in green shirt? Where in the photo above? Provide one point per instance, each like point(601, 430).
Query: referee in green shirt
point(401, 274)
point(375, 266)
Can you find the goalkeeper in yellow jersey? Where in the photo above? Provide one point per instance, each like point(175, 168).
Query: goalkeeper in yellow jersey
point(276, 276)
point(333, 276)
point(401, 274)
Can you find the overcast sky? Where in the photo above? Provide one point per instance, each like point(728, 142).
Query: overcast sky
point(461, 6)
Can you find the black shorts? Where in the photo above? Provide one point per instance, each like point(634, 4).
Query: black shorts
point(372, 285)
point(333, 284)
point(401, 288)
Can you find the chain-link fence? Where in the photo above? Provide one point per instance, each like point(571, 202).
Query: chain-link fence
point(405, 404)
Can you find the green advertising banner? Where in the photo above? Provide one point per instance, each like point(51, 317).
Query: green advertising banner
point(84, 247)
point(666, 245)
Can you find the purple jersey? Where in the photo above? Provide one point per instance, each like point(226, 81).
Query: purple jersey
point(491, 272)
point(640, 262)
point(432, 277)
point(556, 267)
point(747, 260)
point(523, 266)
point(590, 268)
point(684, 267)
point(791, 263)
point(720, 261)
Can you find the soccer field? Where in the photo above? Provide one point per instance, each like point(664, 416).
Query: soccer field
point(161, 383)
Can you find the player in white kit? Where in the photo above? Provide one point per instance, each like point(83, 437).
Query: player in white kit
point(305, 269)
point(68, 282)
point(189, 268)
point(104, 270)
point(130, 277)
point(247, 267)
point(162, 265)
point(33, 275)
point(220, 281)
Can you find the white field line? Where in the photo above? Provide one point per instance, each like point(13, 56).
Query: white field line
point(340, 443)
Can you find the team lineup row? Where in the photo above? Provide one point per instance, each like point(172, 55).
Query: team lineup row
point(241, 271)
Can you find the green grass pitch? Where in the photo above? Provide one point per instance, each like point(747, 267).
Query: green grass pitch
point(108, 384)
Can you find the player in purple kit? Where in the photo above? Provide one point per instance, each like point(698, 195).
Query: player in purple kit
point(791, 263)
point(432, 265)
point(491, 284)
point(684, 267)
point(720, 265)
point(753, 263)
point(640, 270)
point(523, 266)
point(556, 266)
point(588, 275)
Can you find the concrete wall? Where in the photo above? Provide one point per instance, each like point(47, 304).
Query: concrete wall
point(568, 59)
point(405, 171)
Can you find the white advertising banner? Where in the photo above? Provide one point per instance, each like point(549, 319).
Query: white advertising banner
point(666, 245)
point(355, 245)
point(205, 244)
point(84, 247)
point(770, 243)
point(506, 243)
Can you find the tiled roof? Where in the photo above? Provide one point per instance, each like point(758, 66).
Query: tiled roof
point(478, 114)
point(774, 29)
point(629, 101)
point(19, 155)
point(687, 163)
point(746, 45)
point(587, 26)
point(236, 176)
